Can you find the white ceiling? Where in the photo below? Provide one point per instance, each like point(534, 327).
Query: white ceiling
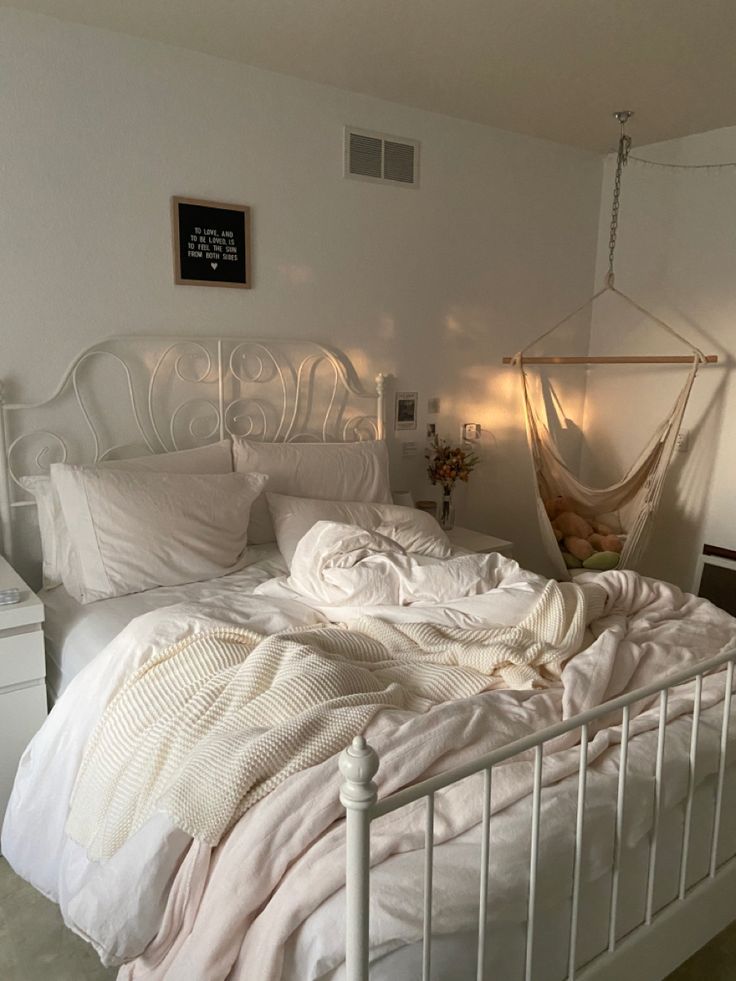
point(551, 68)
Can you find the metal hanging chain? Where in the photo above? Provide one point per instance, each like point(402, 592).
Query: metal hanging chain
point(624, 145)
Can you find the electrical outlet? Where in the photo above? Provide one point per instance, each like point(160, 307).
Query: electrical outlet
point(470, 431)
point(682, 441)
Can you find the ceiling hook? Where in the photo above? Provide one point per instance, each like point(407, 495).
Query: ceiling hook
point(624, 116)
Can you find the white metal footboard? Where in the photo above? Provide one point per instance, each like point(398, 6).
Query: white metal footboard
point(679, 929)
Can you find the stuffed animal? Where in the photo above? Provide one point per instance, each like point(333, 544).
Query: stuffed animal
point(556, 505)
point(570, 523)
point(578, 547)
point(587, 542)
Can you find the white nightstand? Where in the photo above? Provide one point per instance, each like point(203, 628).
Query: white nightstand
point(22, 677)
point(476, 541)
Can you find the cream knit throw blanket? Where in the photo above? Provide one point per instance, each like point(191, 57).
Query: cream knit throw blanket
point(212, 724)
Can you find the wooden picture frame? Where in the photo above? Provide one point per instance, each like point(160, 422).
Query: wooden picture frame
point(211, 243)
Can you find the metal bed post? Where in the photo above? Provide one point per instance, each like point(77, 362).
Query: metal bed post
point(358, 793)
point(380, 406)
point(5, 522)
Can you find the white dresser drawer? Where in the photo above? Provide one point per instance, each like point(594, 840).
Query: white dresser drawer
point(21, 715)
point(21, 657)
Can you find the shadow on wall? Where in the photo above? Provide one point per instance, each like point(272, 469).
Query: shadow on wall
point(677, 529)
point(567, 435)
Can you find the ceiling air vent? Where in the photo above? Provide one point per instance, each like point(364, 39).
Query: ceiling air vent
point(381, 158)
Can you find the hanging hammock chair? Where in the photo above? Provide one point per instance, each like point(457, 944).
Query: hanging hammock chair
point(602, 528)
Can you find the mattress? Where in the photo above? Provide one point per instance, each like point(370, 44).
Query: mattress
point(76, 633)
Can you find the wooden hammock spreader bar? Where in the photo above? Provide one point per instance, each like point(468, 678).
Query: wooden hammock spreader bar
point(695, 355)
point(652, 359)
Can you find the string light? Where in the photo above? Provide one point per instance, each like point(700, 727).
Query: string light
point(679, 166)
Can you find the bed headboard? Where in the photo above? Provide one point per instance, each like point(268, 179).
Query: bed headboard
point(129, 396)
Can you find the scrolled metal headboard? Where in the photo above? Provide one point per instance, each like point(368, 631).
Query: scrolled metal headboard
point(128, 396)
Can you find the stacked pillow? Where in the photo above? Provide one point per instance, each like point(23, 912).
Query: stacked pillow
point(129, 525)
point(56, 547)
point(132, 531)
point(415, 531)
point(322, 471)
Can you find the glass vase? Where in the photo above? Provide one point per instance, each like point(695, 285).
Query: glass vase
point(447, 511)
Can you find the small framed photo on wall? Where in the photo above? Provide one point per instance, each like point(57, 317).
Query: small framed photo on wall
point(211, 243)
point(406, 410)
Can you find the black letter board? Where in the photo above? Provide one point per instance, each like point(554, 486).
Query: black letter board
point(211, 243)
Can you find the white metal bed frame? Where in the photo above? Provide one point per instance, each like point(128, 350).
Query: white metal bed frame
point(666, 937)
point(135, 395)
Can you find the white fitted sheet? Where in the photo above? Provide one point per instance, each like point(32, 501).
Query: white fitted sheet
point(76, 633)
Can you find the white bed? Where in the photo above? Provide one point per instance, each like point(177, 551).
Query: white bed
point(173, 907)
point(76, 633)
point(96, 902)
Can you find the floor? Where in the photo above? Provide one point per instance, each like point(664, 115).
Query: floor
point(34, 943)
point(36, 946)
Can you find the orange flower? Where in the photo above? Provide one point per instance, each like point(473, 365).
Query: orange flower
point(446, 464)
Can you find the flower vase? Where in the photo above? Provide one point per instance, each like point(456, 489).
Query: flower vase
point(447, 511)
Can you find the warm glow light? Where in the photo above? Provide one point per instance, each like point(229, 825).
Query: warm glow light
point(387, 328)
point(297, 275)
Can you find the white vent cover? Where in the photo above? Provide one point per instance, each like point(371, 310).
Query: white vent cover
point(381, 158)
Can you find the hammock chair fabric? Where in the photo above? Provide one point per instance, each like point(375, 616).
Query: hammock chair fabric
point(629, 504)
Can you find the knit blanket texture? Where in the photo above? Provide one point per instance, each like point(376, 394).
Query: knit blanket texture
point(210, 725)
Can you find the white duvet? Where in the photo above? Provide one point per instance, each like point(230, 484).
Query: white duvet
point(345, 572)
point(178, 909)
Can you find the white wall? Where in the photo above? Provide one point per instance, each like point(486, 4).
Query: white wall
point(434, 285)
point(676, 255)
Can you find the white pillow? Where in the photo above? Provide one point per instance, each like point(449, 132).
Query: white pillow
point(132, 531)
point(326, 471)
point(55, 544)
point(414, 530)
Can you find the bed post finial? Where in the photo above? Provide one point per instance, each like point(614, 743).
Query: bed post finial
point(358, 766)
point(380, 405)
point(358, 793)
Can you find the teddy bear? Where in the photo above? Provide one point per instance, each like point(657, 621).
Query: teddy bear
point(584, 542)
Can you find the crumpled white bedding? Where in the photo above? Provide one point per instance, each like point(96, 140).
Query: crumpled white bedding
point(117, 905)
point(343, 572)
point(230, 911)
point(211, 725)
point(336, 564)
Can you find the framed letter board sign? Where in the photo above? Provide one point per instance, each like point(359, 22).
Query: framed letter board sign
point(211, 243)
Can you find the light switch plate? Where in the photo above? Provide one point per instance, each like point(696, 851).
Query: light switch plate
point(471, 430)
point(433, 406)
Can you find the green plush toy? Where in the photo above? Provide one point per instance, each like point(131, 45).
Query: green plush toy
point(571, 561)
point(601, 561)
